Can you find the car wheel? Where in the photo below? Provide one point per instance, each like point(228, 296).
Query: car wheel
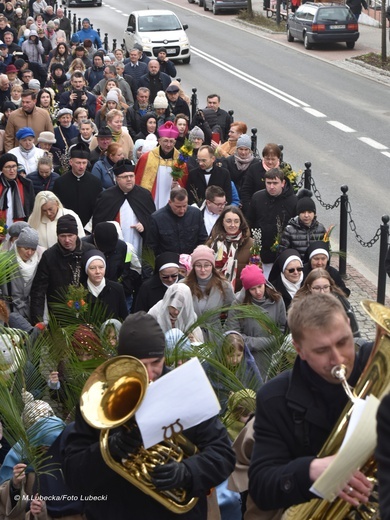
point(215, 10)
point(350, 45)
point(191, 1)
point(290, 37)
point(306, 42)
point(201, 3)
point(205, 8)
point(187, 60)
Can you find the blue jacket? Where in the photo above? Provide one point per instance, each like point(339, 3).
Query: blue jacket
point(41, 184)
point(103, 171)
point(90, 34)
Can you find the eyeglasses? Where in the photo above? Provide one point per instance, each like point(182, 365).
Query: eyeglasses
point(169, 276)
point(319, 288)
point(221, 205)
point(15, 167)
point(293, 269)
point(205, 266)
point(125, 177)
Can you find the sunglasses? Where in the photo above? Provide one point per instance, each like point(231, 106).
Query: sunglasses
point(169, 276)
point(293, 269)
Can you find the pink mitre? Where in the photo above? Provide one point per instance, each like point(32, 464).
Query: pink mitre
point(168, 129)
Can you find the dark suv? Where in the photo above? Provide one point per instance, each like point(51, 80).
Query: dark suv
point(323, 23)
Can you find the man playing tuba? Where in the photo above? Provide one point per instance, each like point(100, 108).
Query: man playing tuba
point(296, 411)
point(86, 472)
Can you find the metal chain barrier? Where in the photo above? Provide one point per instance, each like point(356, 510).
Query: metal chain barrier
point(352, 225)
point(318, 195)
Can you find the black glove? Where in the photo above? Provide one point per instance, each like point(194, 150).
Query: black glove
point(171, 475)
point(123, 443)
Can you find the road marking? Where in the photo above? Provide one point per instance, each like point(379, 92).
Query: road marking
point(314, 112)
point(374, 144)
point(341, 126)
point(386, 153)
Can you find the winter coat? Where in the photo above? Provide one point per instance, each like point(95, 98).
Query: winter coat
point(28, 160)
point(103, 170)
point(299, 409)
point(90, 34)
point(64, 102)
point(267, 213)
point(86, 472)
point(150, 292)
point(93, 75)
point(57, 269)
point(197, 184)
point(253, 182)
point(40, 183)
point(236, 175)
point(26, 191)
point(168, 232)
point(47, 229)
point(112, 299)
point(298, 236)
point(258, 339)
point(34, 51)
point(39, 120)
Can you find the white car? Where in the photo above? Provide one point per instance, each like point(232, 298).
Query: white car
point(158, 28)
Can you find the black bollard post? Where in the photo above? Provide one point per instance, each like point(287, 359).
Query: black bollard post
point(343, 231)
point(307, 176)
point(113, 44)
point(254, 141)
point(231, 113)
point(65, 11)
point(281, 147)
point(74, 23)
point(98, 31)
point(194, 102)
point(381, 293)
point(79, 24)
point(105, 42)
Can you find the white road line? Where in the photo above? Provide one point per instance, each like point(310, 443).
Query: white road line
point(340, 126)
point(314, 112)
point(386, 153)
point(374, 144)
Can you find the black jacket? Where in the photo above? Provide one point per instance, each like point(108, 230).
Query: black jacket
point(196, 183)
point(253, 181)
point(236, 175)
point(113, 299)
point(267, 213)
point(57, 269)
point(298, 236)
point(78, 193)
point(28, 195)
point(86, 473)
point(168, 232)
point(295, 413)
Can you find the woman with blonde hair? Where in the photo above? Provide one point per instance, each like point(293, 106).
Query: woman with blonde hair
point(120, 134)
point(76, 65)
point(45, 214)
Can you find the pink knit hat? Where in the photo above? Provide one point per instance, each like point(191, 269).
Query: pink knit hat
point(251, 276)
point(203, 253)
point(168, 129)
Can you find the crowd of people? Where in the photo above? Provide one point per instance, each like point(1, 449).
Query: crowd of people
point(135, 229)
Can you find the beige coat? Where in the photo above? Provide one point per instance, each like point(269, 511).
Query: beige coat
point(39, 120)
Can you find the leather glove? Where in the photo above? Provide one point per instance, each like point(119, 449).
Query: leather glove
point(123, 443)
point(171, 475)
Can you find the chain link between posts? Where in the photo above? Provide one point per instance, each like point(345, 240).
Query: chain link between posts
point(317, 194)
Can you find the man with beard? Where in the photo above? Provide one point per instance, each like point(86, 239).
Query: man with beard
point(126, 203)
point(59, 267)
point(78, 189)
point(153, 170)
point(139, 109)
point(27, 115)
point(154, 80)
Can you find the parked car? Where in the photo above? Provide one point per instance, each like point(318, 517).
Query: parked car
point(322, 23)
point(83, 3)
point(154, 29)
point(223, 5)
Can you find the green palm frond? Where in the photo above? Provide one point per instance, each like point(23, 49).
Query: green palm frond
point(8, 266)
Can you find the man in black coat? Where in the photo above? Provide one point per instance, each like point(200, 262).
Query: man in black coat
point(78, 189)
point(86, 472)
point(271, 209)
point(140, 108)
point(208, 173)
point(297, 410)
point(127, 203)
point(59, 267)
point(223, 118)
point(176, 104)
point(154, 80)
point(177, 227)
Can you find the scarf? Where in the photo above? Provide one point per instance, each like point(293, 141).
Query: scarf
point(243, 164)
point(115, 135)
point(267, 168)
point(95, 290)
point(27, 269)
point(17, 206)
point(226, 257)
point(290, 286)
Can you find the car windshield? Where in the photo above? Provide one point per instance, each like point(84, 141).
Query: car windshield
point(164, 22)
point(334, 15)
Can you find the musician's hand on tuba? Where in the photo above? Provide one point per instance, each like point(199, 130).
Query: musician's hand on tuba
point(357, 490)
point(124, 443)
point(171, 475)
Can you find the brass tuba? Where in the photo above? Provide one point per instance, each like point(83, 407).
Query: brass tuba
point(375, 379)
point(109, 399)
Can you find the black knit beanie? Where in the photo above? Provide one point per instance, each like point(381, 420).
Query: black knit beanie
point(141, 336)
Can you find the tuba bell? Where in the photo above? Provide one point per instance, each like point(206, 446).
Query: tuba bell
point(110, 397)
point(375, 379)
